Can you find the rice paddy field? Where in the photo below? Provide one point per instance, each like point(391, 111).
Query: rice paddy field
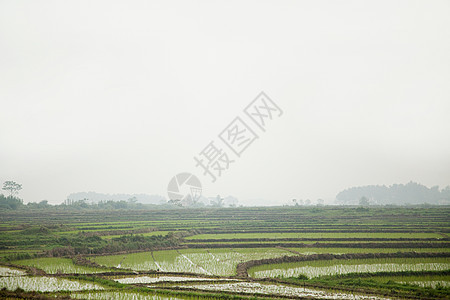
point(10, 272)
point(233, 253)
point(46, 284)
point(119, 296)
point(318, 268)
point(221, 262)
point(433, 281)
point(54, 265)
point(255, 288)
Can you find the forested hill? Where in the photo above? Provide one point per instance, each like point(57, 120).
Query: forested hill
point(411, 193)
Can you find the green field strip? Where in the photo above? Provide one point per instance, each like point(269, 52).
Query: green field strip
point(338, 266)
point(53, 265)
point(313, 235)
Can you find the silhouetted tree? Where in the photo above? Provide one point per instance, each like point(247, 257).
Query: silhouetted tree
point(12, 187)
point(364, 201)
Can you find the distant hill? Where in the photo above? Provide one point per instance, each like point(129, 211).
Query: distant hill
point(400, 194)
point(97, 197)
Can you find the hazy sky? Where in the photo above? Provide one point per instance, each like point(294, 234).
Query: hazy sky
point(119, 96)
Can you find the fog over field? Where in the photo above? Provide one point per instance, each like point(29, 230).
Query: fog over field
point(118, 97)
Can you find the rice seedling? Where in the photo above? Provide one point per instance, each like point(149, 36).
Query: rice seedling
point(335, 267)
point(148, 279)
point(6, 271)
point(45, 284)
point(223, 262)
point(172, 261)
point(430, 283)
point(136, 261)
point(433, 281)
point(274, 289)
point(120, 295)
point(220, 262)
point(309, 251)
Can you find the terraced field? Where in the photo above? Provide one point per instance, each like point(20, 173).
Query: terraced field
point(317, 252)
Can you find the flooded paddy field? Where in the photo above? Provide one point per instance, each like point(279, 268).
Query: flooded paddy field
point(229, 253)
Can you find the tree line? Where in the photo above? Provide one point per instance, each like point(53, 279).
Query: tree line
point(397, 194)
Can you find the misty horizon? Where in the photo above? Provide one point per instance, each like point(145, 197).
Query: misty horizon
point(123, 96)
point(206, 200)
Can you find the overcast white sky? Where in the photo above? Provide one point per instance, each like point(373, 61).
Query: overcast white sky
point(119, 96)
